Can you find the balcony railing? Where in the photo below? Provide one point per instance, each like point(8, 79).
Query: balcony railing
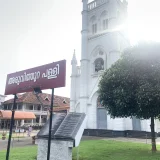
point(92, 5)
point(95, 4)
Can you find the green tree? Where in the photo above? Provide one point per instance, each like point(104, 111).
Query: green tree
point(131, 86)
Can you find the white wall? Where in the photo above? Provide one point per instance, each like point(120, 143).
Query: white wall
point(112, 44)
point(145, 125)
point(2, 98)
point(128, 124)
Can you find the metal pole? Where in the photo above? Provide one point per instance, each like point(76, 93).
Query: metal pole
point(50, 126)
point(146, 138)
point(11, 125)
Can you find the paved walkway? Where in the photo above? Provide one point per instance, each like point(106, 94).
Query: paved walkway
point(15, 143)
point(18, 142)
point(135, 140)
point(123, 139)
point(34, 132)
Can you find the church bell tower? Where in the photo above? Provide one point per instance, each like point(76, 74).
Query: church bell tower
point(103, 40)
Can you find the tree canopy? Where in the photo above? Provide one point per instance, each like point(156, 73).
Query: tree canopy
point(131, 86)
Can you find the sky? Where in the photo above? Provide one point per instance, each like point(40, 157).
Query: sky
point(37, 32)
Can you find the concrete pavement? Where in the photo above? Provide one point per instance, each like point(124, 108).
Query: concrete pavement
point(15, 143)
point(18, 142)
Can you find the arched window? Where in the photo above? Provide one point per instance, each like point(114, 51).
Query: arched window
point(105, 24)
point(93, 24)
point(104, 20)
point(98, 64)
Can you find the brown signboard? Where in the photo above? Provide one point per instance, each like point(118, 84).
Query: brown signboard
point(48, 76)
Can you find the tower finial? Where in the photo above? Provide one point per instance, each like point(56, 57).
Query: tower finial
point(74, 60)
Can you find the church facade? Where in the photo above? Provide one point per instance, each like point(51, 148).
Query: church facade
point(103, 41)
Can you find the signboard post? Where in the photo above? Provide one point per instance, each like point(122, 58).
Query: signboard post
point(50, 126)
point(48, 76)
point(11, 125)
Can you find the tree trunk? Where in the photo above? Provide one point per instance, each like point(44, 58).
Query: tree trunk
point(153, 135)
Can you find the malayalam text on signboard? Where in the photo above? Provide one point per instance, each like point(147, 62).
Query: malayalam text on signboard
point(48, 76)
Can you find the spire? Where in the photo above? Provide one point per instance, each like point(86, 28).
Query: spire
point(74, 60)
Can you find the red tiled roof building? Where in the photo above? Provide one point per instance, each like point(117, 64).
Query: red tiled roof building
point(39, 104)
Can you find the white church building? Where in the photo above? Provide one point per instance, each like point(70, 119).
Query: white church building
point(103, 41)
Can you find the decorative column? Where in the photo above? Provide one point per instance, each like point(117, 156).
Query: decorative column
point(40, 120)
point(114, 52)
point(84, 59)
point(22, 122)
point(23, 109)
point(17, 123)
point(73, 83)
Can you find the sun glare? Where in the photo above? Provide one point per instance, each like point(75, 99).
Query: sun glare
point(143, 20)
point(143, 31)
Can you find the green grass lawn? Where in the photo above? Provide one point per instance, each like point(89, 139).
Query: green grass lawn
point(114, 150)
point(23, 153)
point(95, 150)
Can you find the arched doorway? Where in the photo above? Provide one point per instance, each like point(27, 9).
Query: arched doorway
point(101, 116)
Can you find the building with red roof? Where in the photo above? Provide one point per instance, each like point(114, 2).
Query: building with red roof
point(39, 104)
